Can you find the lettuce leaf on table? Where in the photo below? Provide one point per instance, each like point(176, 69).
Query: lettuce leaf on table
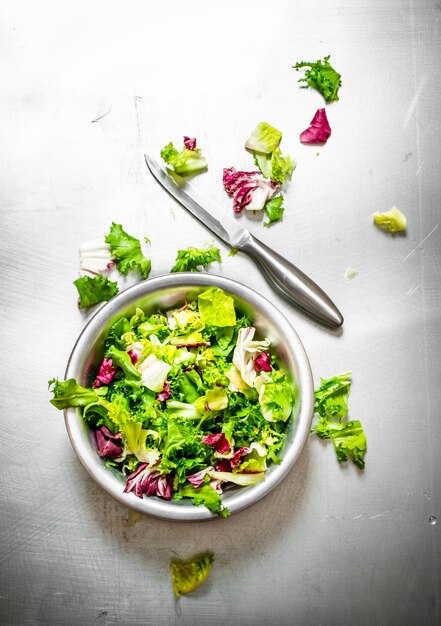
point(191, 259)
point(93, 290)
point(322, 77)
point(127, 252)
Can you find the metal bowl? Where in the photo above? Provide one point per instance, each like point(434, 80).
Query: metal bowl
point(162, 293)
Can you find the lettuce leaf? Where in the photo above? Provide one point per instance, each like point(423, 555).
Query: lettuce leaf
point(191, 259)
point(206, 496)
point(276, 399)
point(264, 138)
point(393, 221)
point(92, 290)
point(186, 162)
point(216, 308)
point(69, 393)
point(331, 403)
point(274, 210)
point(331, 398)
point(188, 575)
point(321, 76)
point(127, 251)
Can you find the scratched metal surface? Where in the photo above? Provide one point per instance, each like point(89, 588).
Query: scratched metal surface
point(84, 84)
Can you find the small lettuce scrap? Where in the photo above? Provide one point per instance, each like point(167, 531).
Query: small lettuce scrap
point(321, 76)
point(93, 290)
point(264, 143)
point(331, 404)
point(126, 250)
point(188, 575)
point(187, 162)
point(192, 259)
point(393, 221)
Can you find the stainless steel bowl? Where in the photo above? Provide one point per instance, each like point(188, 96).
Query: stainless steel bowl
point(162, 293)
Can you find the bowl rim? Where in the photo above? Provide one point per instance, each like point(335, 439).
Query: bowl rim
point(178, 511)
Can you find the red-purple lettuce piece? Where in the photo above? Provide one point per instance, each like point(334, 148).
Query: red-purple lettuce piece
point(237, 457)
point(197, 479)
point(223, 466)
point(319, 130)
point(190, 144)
point(106, 372)
point(150, 482)
point(109, 445)
point(165, 393)
point(262, 363)
point(218, 441)
point(241, 186)
point(134, 355)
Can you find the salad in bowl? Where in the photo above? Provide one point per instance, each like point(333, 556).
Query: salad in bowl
point(187, 397)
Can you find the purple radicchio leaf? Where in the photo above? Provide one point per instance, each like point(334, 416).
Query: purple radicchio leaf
point(190, 144)
point(106, 372)
point(262, 363)
point(150, 482)
point(319, 130)
point(218, 441)
point(109, 445)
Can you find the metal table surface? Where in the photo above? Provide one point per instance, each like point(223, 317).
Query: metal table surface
point(86, 87)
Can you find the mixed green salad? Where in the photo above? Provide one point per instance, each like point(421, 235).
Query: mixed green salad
point(186, 402)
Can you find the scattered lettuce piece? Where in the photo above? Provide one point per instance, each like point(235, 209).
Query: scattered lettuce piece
point(321, 76)
point(188, 575)
point(186, 162)
point(393, 221)
point(331, 404)
point(190, 259)
point(264, 138)
point(216, 308)
point(274, 210)
point(127, 251)
point(92, 290)
point(68, 393)
point(331, 398)
point(318, 131)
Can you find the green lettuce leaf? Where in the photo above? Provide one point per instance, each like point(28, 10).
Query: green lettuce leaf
point(350, 443)
point(191, 259)
point(274, 210)
point(321, 76)
point(188, 575)
point(276, 400)
point(68, 393)
point(127, 251)
point(186, 162)
point(121, 359)
point(264, 139)
point(206, 496)
point(331, 398)
point(94, 290)
point(216, 308)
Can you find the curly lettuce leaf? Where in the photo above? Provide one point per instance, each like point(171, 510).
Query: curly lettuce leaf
point(350, 443)
point(69, 393)
point(331, 403)
point(93, 290)
point(321, 76)
point(216, 308)
point(191, 259)
point(274, 210)
point(188, 575)
point(127, 251)
point(331, 398)
point(206, 496)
